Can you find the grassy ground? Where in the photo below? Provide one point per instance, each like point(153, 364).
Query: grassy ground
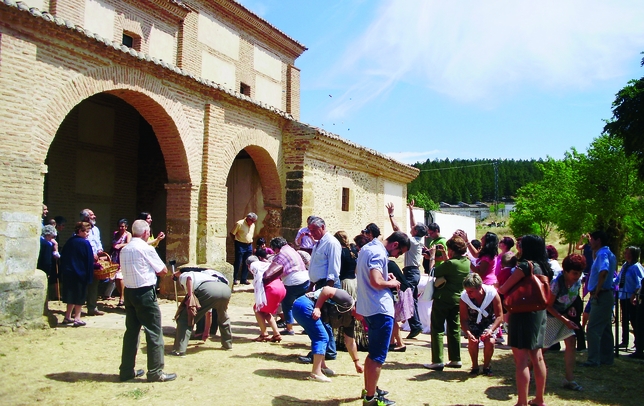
point(79, 366)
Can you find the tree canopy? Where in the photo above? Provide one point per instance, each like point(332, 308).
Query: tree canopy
point(627, 122)
point(457, 180)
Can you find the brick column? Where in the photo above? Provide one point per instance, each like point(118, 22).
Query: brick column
point(180, 225)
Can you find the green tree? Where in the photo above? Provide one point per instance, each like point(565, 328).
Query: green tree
point(610, 189)
point(533, 211)
point(422, 200)
point(627, 122)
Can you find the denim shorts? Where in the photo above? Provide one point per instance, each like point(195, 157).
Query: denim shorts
point(380, 328)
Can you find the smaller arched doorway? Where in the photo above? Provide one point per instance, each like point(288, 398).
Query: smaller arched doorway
point(253, 185)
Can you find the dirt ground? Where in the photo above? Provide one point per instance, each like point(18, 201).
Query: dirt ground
point(79, 366)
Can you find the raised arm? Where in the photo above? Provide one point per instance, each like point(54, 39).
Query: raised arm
point(390, 209)
point(412, 222)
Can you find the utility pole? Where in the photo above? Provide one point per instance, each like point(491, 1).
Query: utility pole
point(496, 188)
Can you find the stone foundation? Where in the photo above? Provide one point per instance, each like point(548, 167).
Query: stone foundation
point(22, 301)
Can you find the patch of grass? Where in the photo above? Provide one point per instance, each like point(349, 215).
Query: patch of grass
point(135, 394)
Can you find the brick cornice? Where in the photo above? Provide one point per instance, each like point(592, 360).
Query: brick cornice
point(333, 149)
point(259, 27)
point(174, 8)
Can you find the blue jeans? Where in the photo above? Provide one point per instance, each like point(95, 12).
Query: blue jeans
point(380, 328)
point(315, 329)
point(242, 252)
point(331, 352)
point(292, 293)
point(412, 276)
point(598, 331)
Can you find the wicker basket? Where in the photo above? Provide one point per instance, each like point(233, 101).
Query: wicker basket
point(107, 269)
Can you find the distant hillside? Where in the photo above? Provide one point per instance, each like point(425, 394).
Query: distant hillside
point(452, 181)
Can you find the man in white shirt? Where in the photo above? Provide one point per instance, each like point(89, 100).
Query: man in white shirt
point(212, 293)
point(140, 265)
point(94, 239)
point(324, 270)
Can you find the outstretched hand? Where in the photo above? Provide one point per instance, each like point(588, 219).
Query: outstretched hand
point(390, 207)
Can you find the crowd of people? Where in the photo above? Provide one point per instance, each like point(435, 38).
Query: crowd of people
point(329, 285)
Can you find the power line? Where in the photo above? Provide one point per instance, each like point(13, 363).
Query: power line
point(457, 167)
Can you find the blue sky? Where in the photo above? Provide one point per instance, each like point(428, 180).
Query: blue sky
point(435, 79)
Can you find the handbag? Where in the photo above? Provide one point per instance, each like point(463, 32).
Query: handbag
point(529, 294)
point(428, 293)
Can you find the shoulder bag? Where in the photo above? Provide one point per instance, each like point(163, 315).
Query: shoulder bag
point(428, 293)
point(529, 294)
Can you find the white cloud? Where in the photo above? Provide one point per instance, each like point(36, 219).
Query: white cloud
point(411, 157)
point(480, 52)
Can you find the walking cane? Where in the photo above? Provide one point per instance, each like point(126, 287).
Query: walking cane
point(176, 298)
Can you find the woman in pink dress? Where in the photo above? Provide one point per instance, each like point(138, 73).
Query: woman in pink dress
point(485, 266)
point(269, 293)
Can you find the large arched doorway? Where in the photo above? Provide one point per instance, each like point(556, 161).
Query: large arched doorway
point(106, 157)
point(253, 185)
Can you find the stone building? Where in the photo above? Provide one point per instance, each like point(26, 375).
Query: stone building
point(188, 110)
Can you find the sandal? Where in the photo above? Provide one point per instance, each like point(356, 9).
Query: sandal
point(68, 321)
point(487, 371)
point(262, 338)
point(120, 303)
point(572, 385)
point(79, 323)
point(275, 339)
point(533, 403)
point(475, 371)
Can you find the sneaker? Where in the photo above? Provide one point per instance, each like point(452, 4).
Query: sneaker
point(572, 385)
point(378, 401)
point(379, 392)
point(178, 354)
point(437, 366)
point(281, 324)
point(287, 332)
point(481, 344)
point(454, 364)
point(474, 371)
point(318, 378)
point(305, 360)
point(487, 371)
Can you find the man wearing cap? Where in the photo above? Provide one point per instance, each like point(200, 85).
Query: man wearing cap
point(243, 233)
point(413, 260)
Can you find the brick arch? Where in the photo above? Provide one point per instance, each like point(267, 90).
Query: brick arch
point(178, 139)
point(265, 152)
